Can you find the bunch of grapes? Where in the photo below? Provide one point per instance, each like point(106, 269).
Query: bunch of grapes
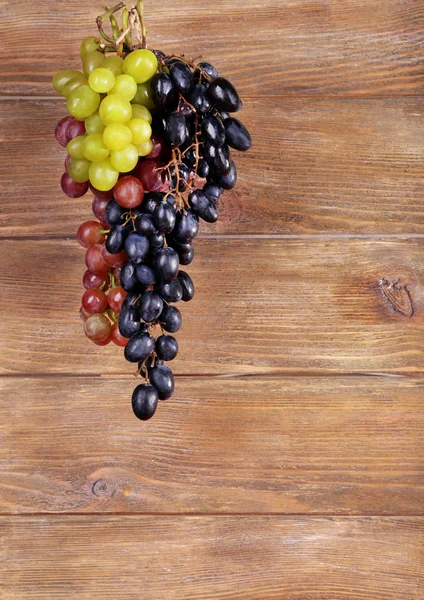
point(150, 135)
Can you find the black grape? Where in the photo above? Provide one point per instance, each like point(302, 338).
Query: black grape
point(172, 291)
point(146, 225)
point(227, 182)
point(187, 286)
point(186, 227)
point(116, 239)
point(165, 217)
point(171, 319)
point(139, 347)
point(218, 158)
point(203, 207)
point(150, 306)
point(213, 129)
point(166, 263)
point(164, 93)
point(199, 99)
point(129, 321)
point(224, 95)
point(176, 129)
point(237, 135)
point(146, 275)
point(213, 191)
point(209, 69)
point(136, 247)
point(162, 379)
point(128, 276)
point(181, 76)
point(114, 212)
point(166, 347)
point(145, 401)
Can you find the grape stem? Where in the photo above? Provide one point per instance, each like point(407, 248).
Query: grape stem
point(140, 13)
point(104, 17)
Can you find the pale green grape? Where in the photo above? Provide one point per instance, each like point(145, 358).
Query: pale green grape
point(91, 61)
point(141, 112)
point(125, 86)
point(141, 64)
point(143, 96)
point(140, 129)
point(94, 123)
point(89, 44)
point(124, 160)
point(61, 79)
point(103, 176)
point(115, 64)
point(82, 102)
point(75, 147)
point(144, 148)
point(79, 170)
point(94, 148)
point(101, 80)
point(115, 109)
point(73, 84)
point(117, 136)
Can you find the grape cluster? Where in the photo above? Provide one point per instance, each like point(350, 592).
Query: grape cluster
point(151, 135)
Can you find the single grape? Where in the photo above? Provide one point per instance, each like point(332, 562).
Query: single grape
point(146, 225)
point(89, 44)
point(152, 175)
point(94, 301)
point(94, 123)
point(75, 147)
point(67, 163)
point(237, 135)
point(150, 201)
point(218, 158)
point(164, 92)
point(101, 80)
point(172, 291)
point(158, 146)
point(79, 170)
point(115, 109)
point(90, 233)
point(104, 343)
point(98, 208)
point(136, 247)
point(116, 297)
point(103, 175)
point(117, 136)
point(156, 240)
point(171, 319)
point(227, 182)
point(145, 148)
point(166, 347)
point(61, 79)
point(146, 275)
point(186, 227)
point(129, 321)
point(139, 347)
point(208, 69)
point(73, 84)
point(140, 129)
point(114, 213)
point(129, 279)
point(60, 131)
point(224, 95)
point(91, 61)
point(203, 207)
point(144, 401)
point(97, 328)
point(72, 188)
point(213, 129)
point(199, 99)
point(114, 260)
point(187, 259)
point(91, 280)
point(94, 260)
point(181, 76)
point(75, 128)
point(141, 65)
point(203, 169)
point(162, 379)
point(187, 285)
point(94, 148)
point(115, 240)
point(166, 264)
point(143, 96)
point(150, 306)
point(176, 129)
point(117, 338)
point(82, 102)
point(124, 160)
point(115, 64)
point(141, 112)
point(165, 217)
point(213, 191)
point(125, 86)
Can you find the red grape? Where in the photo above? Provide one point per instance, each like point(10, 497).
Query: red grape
point(92, 281)
point(89, 234)
point(71, 188)
point(97, 328)
point(60, 131)
point(116, 297)
point(117, 338)
point(128, 192)
point(94, 301)
point(105, 342)
point(158, 146)
point(67, 161)
point(94, 260)
point(102, 195)
point(99, 209)
point(153, 179)
point(84, 314)
point(74, 129)
point(114, 260)
point(116, 271)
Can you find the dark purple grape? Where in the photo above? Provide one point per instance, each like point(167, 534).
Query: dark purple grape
point(187, 259)
point(186, 110)
point(199, 98)
point(116, 239)
point(203, 207)
point(166, 264)
point(218, 158)
point(186, 227)
point(224, 95)
point(209, 69)
point(136, 247)
point(213, 191)
point(165, 217)
point(226, 181)
point(159, 54)
point(171, 319)
point(150, 201)
point(71, 188)
point(224, 115)
point(187, 285)
point(145, 224)
point(150, 306)
point(163, 91)
point(139, 347)
point(146, 275)
point(176, 129)
point(182, 76)
point(190, 157)
point(180, 248)
point(114, 212)
point(166, 347)
point(213, 129)
point(128, 276)
point(156, 241)
point(237, 135)
point(203, 169)
point(129, 321)
point(172, 291)
point(145, 401)
point(162, 379)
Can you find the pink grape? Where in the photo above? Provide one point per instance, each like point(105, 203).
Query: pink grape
point(98, 207)
point(92, 281)
point(74, 129)
point(94, 301)
point(153, 179)
point(116, 297)
point(71, 188)
point(60, 131)
point(117, 338)
point(114, 260)
point(89, 234)
point(95, 262)
point(97, 328)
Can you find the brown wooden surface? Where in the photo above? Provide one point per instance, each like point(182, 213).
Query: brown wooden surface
point(237, 558)
point(317, 166)
point(243, 445)
point(312, 279)
point(350, 47)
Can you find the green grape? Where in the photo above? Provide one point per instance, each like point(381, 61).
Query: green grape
point(75, 147)
point(79, 170)
point(141, 112)
point(143, 96)
point(144, 148)
point(94, 123)
point(91, 61)
point(125, 86)
point(89, 44)
point(117, 136)
point(115, 64)
point(82, 102)
point(94, 148)
point(101, 80)
point(74, 83)
point(103, 176)
point(141, 64)
point(61, 79)
point(140, 129)
point(115, 109)
point(124, 160)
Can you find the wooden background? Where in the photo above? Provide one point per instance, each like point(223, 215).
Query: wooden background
point(289, 465)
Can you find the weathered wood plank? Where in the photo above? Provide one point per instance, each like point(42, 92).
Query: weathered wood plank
point(317, 166)
point(283, 445)
point(211, 557)
point(261, 306)
point(350, 47)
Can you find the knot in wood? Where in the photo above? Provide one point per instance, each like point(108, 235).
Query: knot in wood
point(398, 296)
point(101, 488)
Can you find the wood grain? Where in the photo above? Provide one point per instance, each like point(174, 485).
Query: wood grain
point(208, 557)
point(317, 166)
point(283, 445)
point(349, 47)
point(261, 306)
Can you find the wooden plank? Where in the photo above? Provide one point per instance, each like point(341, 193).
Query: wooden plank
point(261, 306)
point(317, 166)
point(350, 47)
point(284, 445)
point(209, 557)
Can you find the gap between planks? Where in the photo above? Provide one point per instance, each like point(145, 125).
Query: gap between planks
point(246, 236)
point(247, 96)
point(195, 515)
